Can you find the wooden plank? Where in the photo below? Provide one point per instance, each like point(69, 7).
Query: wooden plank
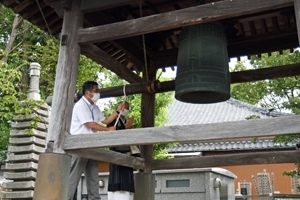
point(179, 18)
point(252, 158)
point(288, 125)
point(65, 79)
point(236, 77)
point(98, 55)
point(297, 15)
point(109, 156)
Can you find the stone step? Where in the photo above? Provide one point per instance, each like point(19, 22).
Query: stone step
point(25, 133)
point(27, 140)
point(19, 185)
point(22, 157)
point(16, 194)
point(30, 117)
point(26, 149)
point(19, 175)
point(21, 166)
point(28, 125)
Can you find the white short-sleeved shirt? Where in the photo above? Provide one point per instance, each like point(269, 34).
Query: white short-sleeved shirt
point(84, 112)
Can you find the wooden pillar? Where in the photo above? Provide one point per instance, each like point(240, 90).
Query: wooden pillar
point(66, 76)
point(145, 181)
point(297, 15)
point(55, 173)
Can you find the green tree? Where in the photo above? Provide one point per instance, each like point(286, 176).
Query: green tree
point(283, 94)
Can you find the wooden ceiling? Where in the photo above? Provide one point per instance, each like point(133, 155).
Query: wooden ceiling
point(251, 29)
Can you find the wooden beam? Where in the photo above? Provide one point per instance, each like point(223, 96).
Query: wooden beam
point(288, 125)
point(109, 156)
point(179, 18)
point(297, 14)
point(65, 79)
point(253, 158)
point(91, 5)
point(236, 77)
point(265, 73)
point(98, 55)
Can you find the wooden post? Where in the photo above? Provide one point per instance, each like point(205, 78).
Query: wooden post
point(297, 15)
point(145, 182)
point(66, 76)
point(53, 177)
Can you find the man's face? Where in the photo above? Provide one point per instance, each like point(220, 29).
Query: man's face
point(93, 91)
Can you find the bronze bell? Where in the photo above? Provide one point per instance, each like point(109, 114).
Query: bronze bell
point(202, 65)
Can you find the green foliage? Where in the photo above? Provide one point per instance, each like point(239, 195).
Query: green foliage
point(4, 131)
point(293, 173)
point(281, 93)
point(252, 117)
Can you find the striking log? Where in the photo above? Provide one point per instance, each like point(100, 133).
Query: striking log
point(236, 77)
point(251, 158)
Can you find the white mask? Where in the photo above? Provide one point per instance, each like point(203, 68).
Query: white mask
point(96, 97)
point(125, 112)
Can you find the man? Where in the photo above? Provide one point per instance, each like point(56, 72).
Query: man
point(121, 181)
point(85, 120)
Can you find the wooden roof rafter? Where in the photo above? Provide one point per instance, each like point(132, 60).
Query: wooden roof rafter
point(101, 57)
point(160, 22)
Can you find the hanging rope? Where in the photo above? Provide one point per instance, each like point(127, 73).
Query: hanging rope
point(144, 47)
point(37, 2)
point(124, 100)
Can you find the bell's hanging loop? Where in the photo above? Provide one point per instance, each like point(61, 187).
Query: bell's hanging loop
point(202, 65)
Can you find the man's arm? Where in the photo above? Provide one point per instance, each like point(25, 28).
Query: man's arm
point(98, 127)
point(129, 123)
point(113, 116)
point(110, 118)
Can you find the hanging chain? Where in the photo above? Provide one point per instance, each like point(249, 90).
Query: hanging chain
point(144, 47)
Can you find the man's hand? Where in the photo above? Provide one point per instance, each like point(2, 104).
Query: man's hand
point(121, 107)
point(112, 128)
point(129, 122)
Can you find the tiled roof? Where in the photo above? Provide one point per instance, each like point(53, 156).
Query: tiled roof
point(261, 144)
point(231, 110)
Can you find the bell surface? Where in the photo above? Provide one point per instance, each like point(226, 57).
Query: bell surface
point(202, 65)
